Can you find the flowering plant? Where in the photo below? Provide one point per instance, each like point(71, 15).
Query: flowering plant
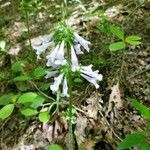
point(64, 63)
point(65, 38)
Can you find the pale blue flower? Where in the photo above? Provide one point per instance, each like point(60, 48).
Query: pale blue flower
point(46, 41)
point(90, 75)
point(82, 42)
point(47, 38)
point(65, 89)
point(57, 81)
point(74, 60)
point(41, 48)
point(51, 74)
point(78, 49)
point(56, 57)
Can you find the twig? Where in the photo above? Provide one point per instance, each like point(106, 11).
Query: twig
point(41, 91)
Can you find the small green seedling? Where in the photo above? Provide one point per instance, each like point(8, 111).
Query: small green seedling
point(133, 39)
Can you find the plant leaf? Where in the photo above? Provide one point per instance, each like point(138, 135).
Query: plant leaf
point(145, 146)
point(28, 112)
point(6, 111)
point(141, 108)
point(22, 78)
point(18, 66)
point(117, 46)
point(117, 31)
point(38, 101)
point(132, 140)
point(39, 72)
point(134, 40)
point(6, 99)
point(54, 147)
point(27, 98)
point(44, 116)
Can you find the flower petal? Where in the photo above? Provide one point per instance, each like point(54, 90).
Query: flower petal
point(50, 74)
point(60, 52)
point(83, 42)
point(65, 89)
point(91, 80)
point(57, 81)
point(74, 60)
point(41, 48)
point(47, 38)
point(78, 49)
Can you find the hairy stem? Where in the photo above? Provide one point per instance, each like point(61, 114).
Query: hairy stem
point(70, 99)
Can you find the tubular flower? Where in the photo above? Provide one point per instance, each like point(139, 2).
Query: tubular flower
point(50, 74)
point(90, 75)
point(41, 48)
point(56, 57)
point(79, 40)
point(65, 88)
point(57, 81)
point(74, 60)
point(46, 41)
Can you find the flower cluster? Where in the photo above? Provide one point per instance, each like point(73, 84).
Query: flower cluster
point(57, 60)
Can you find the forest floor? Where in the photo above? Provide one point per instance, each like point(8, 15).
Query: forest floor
point(103, 117)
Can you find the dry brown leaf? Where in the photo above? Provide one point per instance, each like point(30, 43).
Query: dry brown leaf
point(81, 124)
point(93, 105)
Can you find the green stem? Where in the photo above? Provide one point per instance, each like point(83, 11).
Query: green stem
point(57, 100)
point(28, 28)
point(70, 99)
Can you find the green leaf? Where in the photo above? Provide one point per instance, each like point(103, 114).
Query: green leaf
point(117, 31)
point(22, 78)
point(18, 66)
point(132, 140)
point(141, 108)
point(2, 45)
point(117, 46)
point(134, 40)
point(39, 72)
point(145, 146)
point(27, 98)
point(6, 99)
point(29, 112)
point(44, 116)
point(38, 101)
point(54, 147)
point(6, 111)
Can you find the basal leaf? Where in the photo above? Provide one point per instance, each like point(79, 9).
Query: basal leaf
point(44, 116)
point(141, 108)
point(117, 46)
point(28, 97)
point(117, 31)
point(132, 140)
point(6, 111)
point(29, 112)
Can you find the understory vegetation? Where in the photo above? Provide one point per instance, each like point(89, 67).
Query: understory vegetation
point(74, 75)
